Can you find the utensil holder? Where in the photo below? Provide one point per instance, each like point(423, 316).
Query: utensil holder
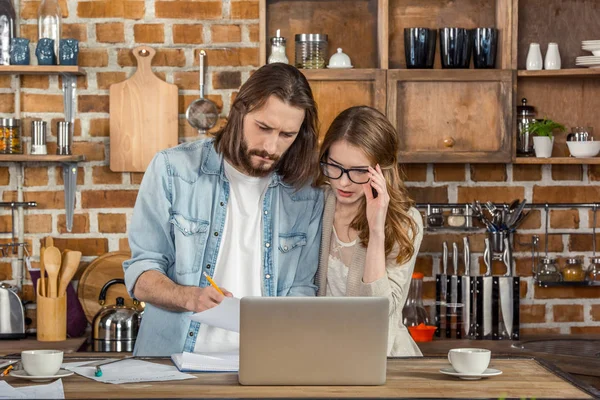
point(51, 317)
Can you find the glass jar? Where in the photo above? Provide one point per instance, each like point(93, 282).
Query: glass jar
point(278, 49)
point(593, 271)
point(414, 312)
point(311, 50)
point(435, 217)
point(49, 22)
point(525, 117)
point(548, 271)
point(573, 271)
point(456, 218)
point(11, 136)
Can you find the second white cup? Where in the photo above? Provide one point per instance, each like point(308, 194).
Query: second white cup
point(469, 360)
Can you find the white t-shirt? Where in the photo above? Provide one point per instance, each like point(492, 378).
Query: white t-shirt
point(340, 258)
point(239, 263)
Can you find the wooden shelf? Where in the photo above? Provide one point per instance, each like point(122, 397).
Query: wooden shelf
point(41, 70)
point(562, 73)
point(557, 160)
point(342, 74)
point(41, 158)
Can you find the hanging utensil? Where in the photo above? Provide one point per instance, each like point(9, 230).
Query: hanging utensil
point(202, 114)
point(70, 182)
point(52, 261)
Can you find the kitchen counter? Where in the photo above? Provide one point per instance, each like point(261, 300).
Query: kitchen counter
point(406, 378)
point(70, 345)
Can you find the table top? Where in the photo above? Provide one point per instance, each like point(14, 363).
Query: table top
point(406, 378)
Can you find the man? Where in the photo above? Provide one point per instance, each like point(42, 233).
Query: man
point(239, 208)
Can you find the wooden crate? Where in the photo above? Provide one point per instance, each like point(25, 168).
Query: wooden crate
point(452, 116)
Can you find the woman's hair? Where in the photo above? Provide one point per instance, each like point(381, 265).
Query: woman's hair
point(284, 81)
point(370, 131)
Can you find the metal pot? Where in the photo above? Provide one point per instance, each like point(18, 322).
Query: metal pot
point(116, 326)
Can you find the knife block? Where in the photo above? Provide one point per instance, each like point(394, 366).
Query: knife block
point(51, 317)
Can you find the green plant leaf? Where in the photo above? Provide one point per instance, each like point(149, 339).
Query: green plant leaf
point(545, 127)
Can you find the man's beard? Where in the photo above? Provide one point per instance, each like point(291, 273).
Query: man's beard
point(257, 171)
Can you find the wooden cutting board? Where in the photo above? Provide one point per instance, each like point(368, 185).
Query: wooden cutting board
point(143, 116)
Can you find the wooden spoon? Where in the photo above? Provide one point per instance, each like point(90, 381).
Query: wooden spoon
point(52, 259)
point(42, 286)
point(70, 263)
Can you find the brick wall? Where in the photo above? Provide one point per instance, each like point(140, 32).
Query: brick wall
point(228, 30)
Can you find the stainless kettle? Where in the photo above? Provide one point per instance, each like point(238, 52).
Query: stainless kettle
point(12, 313)
point(116, 326)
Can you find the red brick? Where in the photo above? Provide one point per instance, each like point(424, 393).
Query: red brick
point(35, 82)
point(29, 9)
point(523, 289)
point(594, 173)
point(449, 172)
point(567, 292)
point(127, 9)
point(163, 58)
point(111, 32)
point(188, 34)
point(136, 178)
point(108, 198)
point(488, 172)
point(88, 247)
point(124, 245)
point(533, 220)
point(93, 57)
point(555, 243)
point(234, 57)
point(102, 175)
point(591, 219)
point(526, 172)
point(585, 330)
point(556, 194)
point(36, 176)
point(566, 219)
point(595, 311)
point(59, 175)
point(424, 265)
point(567, 172)
point(253, 31)
point(432, 243)
point(532, 313)
point(40, 103)
point(5, 81)
point(112, 223)
point(28, 294)
point(149, 33)
point(500, 194)
point(524, 266)
point(226, 79)
point(100, 127)
point(409, 172)
point(5, 271)
point(429, 194)
point(81, 83)
point(75, 31)
point(45, 199)
point(7, 103)
point(244, 10)
point(582, 242)
point(181, 9)
point(93, 103)
point(225, 33)
point(4, 176)
point(105, 79)
point(568, 313)
point(38, 223)
point(81, 223)
point(30, 32)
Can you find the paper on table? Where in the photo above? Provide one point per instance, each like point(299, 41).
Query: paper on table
point(225, 316)
point(129, 371)
point(52, 390)
point(207, 362)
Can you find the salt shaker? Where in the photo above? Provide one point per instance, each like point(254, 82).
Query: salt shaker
point(65, 138)
point(278, 49)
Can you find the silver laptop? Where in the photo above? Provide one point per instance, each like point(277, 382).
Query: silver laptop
point(313, 340)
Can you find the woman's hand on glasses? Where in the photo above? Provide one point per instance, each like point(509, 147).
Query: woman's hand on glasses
point(376, 205)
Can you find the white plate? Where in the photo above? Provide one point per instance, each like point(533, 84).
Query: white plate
point(471, 377)
point(24, 375)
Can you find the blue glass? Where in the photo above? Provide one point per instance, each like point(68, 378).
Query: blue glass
point(419, 47)
point(19, 51)
point(485, 45)
point(69, 51)
point(45, 52)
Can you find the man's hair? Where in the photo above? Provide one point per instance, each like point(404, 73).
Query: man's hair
point(297, 165)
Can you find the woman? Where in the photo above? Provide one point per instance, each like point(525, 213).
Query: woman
point(371, 231)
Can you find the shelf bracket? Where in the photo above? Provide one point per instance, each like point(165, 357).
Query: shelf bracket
point(69, 169)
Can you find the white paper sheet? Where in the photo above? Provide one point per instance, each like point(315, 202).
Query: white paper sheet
point(207, 362)
point(225, 316)
point(52, 390)
point(129, 371)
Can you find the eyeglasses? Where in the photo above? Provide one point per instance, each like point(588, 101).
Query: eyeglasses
point(356, 175)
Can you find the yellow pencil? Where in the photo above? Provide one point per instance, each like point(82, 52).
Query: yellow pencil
point(213, 284)
point(5, 372)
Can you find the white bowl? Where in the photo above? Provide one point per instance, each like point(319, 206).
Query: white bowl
point(41, 362)
point(584, 149)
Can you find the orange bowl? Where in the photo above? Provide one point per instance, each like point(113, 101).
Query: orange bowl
point(422, 333)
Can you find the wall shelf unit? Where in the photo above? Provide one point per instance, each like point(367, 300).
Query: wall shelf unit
point(42, 70)
point(557, 160)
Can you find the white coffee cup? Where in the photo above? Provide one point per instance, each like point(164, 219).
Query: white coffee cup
point(469, 360)
point(41, 362)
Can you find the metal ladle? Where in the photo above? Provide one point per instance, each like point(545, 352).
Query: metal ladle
point(202, 114)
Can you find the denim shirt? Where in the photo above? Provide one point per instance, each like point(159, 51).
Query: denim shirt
point(177, 226)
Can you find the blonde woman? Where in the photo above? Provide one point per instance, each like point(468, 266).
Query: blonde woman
point(371, 231)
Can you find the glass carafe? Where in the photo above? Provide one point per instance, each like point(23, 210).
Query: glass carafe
point(49, 22)
point(593, 271)
point(525, 117)
point(414, 312)
point(547, 271)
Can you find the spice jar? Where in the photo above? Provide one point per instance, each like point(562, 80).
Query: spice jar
point(11, 136)
point(434, 216)
point(548, 271)
point(311, 50)
point(456, 218)
point(278, 49)
point(593, 272)
point(573, 271)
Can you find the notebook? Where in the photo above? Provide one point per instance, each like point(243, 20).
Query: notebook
point(206, 362)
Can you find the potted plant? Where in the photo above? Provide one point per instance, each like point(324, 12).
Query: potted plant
point(542, 136)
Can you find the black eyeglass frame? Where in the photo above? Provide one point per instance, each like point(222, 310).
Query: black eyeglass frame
point(343, 171)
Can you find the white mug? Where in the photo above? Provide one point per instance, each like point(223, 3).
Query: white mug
point(41, 362)
point(469, 360)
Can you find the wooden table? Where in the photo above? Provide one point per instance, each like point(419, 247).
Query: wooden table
point(70, 345)
point(406, 378)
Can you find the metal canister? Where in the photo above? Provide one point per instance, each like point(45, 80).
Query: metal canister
point(525, 117)
point(311, 50)
point(65, 138)
point(38, 137)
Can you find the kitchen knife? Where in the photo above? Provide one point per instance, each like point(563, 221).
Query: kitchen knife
point(455, 258)
point(487, 257)
point(467, 255)
point(445, 258)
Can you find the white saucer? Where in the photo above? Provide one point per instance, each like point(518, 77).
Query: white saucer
point(471, 377)
point(24, 375)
